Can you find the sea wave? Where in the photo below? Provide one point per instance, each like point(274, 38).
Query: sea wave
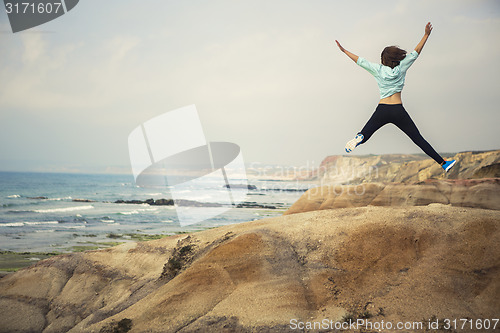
point(41, 222)
point(65, 209)
point(21, 224)
point(110, 222)
point(138, 211)
point(14, 196)
point(129, 213)
point(60, 199)
point(14, 224)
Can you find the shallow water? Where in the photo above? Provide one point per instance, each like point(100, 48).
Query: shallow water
point(38, 211)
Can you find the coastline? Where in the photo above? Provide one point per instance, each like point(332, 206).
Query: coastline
point(65, 213)
point(13, 261)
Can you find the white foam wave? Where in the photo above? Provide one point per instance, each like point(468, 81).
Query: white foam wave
point(138, 211)
point(108, 221)
point(20, 224)
point(41, 222)
point(14, 196)
point(129, 213)
point(59, 199)
point(14, 224)
point(66, 209)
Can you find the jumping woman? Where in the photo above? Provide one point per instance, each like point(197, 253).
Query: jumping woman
point(390, 76)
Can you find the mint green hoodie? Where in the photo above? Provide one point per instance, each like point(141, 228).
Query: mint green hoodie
point(389, 80)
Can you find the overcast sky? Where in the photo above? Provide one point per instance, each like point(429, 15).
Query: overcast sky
point(265, 75)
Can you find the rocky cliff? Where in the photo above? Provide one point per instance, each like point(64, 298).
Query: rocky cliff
point(404, 168)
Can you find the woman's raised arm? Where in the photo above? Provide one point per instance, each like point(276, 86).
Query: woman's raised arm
point(420, 46)
point(349, 54)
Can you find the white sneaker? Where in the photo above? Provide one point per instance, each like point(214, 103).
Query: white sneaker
point(354, 143)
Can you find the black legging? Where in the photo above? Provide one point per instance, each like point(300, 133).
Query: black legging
point(396, 114)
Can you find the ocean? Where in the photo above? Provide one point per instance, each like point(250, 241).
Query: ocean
point(55, 212)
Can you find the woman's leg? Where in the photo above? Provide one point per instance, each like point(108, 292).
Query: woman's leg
point(406, 124)
point(379, 118)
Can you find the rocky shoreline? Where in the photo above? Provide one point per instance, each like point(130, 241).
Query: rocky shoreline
point(192, 203)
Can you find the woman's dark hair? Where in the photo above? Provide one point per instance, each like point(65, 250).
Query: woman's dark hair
point(392, 55)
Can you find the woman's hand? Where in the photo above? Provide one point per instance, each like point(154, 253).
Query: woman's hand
point(340, 46)
point(349, 54)
point(428, 28)
point(420, 46)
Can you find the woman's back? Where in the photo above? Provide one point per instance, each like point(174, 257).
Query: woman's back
point(390, 80)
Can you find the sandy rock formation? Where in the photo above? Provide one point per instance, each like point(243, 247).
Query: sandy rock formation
point(382, 263)
point(480, 193)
